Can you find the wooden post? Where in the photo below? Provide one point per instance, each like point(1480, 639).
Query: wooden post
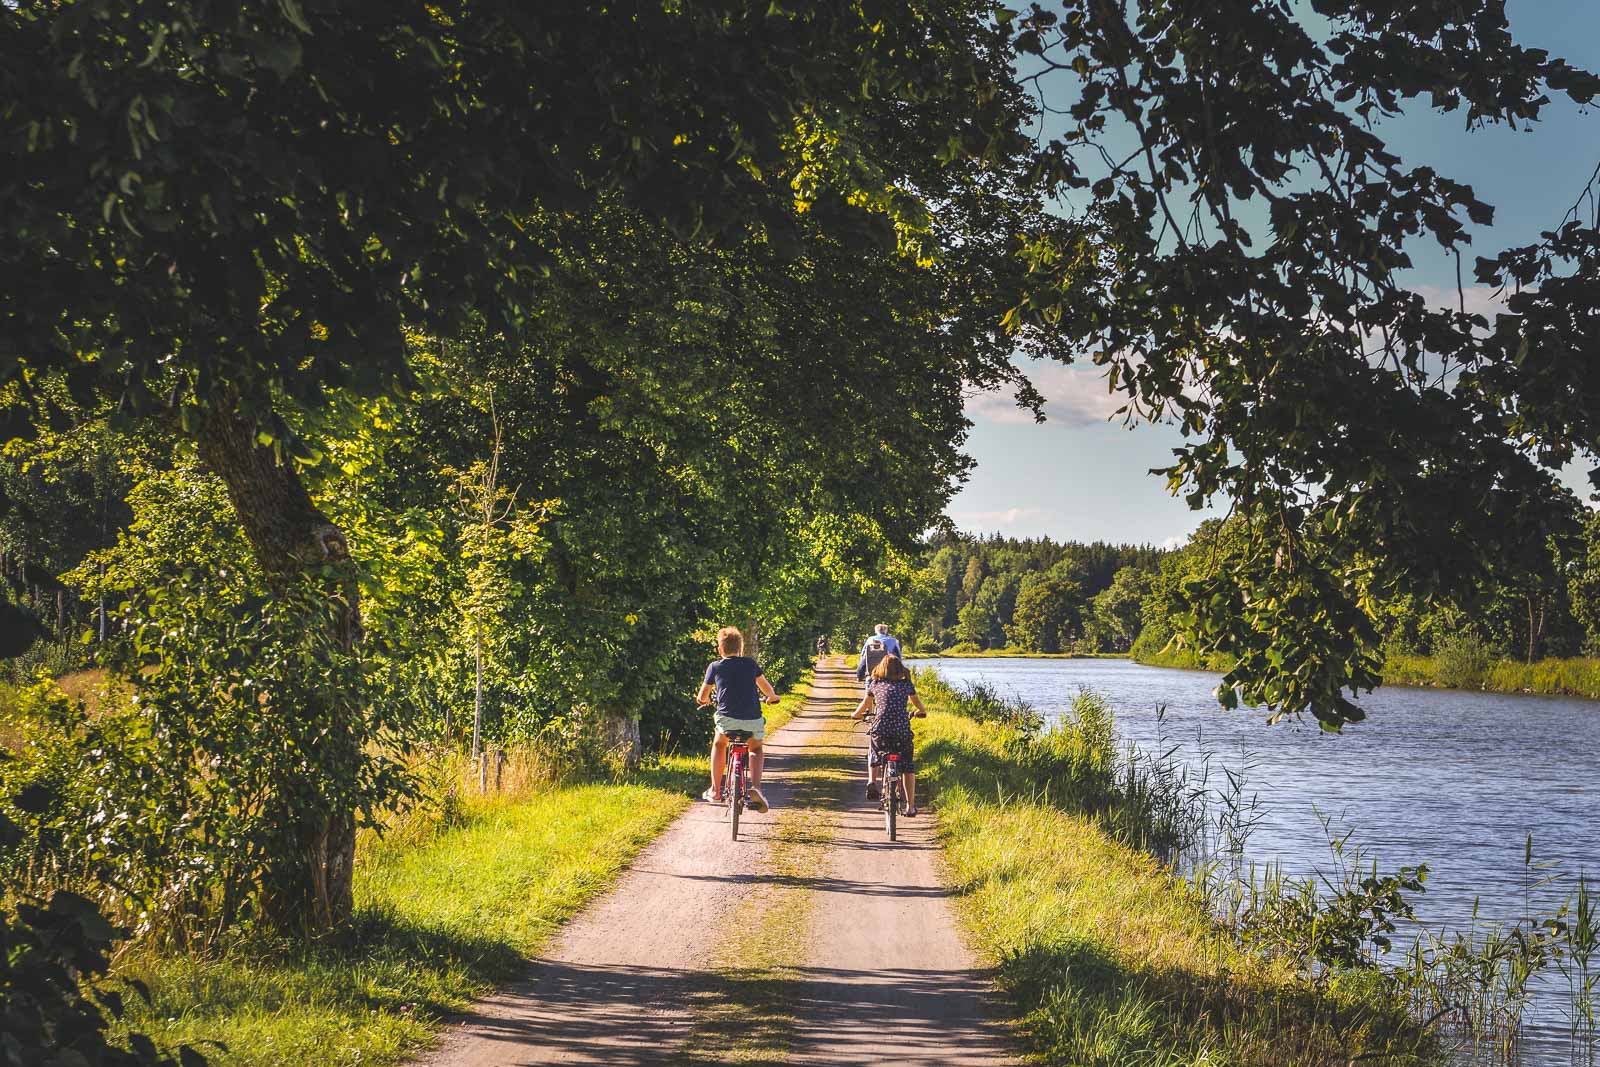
point(499, 767)
point(483, 773)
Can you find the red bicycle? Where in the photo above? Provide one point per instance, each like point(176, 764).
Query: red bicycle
point(735, 776)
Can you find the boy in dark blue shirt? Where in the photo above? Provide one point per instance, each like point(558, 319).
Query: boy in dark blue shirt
point(740, 688)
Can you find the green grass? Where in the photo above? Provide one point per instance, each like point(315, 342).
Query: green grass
point(1014, 653)
point(1579, 677)
point(1109, 960)
point(437, 925)
point(443, 916)
point(1186, 660)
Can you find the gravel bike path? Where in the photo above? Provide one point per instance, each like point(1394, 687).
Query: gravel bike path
point(864, 962)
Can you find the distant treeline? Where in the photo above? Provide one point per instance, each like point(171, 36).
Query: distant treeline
point(974, 593)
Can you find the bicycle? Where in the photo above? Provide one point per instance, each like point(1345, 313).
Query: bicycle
point(890, 800)
point(889, 797)
point(734, 776)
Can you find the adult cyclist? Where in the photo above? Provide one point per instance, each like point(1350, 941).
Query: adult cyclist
point(878, 645)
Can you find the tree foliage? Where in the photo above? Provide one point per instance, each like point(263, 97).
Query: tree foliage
point(1246, 280)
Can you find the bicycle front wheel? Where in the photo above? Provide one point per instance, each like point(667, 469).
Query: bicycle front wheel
point(735, 799)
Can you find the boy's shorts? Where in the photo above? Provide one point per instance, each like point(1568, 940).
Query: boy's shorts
point(878, 747)
point(756, 728)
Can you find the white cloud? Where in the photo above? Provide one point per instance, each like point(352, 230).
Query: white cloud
point(1073, 397)
point(1477, 299)
point(1008, 517)
point(1173, 543)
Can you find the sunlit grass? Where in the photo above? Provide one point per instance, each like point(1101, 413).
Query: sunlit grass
point(438, 924)
point(1578, 677)
point(1112, 962)
point(451, 902)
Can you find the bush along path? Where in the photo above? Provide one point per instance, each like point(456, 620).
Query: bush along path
point(811, 940)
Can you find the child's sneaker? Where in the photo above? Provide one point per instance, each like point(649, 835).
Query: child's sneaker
point(710, 798)
point(756, 801)
point(874, 791)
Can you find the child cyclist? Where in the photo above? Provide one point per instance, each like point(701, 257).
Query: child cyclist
point(740, 688)
point(887, 695)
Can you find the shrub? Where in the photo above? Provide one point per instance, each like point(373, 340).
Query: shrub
point(1463, 661)
point(249, 739)
point(51, 952)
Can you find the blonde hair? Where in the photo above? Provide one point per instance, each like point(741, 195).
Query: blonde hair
point(891, 669)
point(730, 642)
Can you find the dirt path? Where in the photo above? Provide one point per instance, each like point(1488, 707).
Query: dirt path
point(852, 954)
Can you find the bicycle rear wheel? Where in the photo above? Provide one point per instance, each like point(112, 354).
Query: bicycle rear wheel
point(891, 806)
point(735, 799)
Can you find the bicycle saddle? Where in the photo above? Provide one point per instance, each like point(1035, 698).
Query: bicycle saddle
point(738, 735)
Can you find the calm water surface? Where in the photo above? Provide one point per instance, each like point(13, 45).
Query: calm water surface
point(1456, 780)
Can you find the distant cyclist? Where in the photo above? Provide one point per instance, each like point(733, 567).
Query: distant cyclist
point(822, 645)
point(740, 687)
point(890, 732)
point(878, 645)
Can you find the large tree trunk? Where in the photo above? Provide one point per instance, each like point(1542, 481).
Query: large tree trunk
point(289, 535)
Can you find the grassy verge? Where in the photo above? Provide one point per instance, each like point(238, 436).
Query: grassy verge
point(437, 925)
point(1579, 677)
point(445, 913)
point(1185, 660)
point(1110, 960)
point(1014, 653)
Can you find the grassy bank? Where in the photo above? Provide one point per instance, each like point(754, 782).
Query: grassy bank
point(1014, 653)
point(1109, 959)
point(450, 904)
point(1576, 677)
point(1184, 659)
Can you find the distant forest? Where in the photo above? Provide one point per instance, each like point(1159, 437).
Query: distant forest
point(972, 593)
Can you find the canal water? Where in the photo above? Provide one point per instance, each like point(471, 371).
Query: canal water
point(1456, 780)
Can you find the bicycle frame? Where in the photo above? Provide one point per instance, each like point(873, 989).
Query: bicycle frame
point(733, 781)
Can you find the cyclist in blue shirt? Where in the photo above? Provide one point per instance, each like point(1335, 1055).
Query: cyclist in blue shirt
point(874, 649)
point(740, 688)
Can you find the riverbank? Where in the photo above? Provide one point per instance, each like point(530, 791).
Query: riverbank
point(449, 905)
point(1013, 653)
point(1573, 677)
point(1576, 677)
point(1107, 957)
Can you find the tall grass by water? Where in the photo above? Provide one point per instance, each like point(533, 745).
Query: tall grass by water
point(1465, 668)
point(1112, 885)
point(1459, 664)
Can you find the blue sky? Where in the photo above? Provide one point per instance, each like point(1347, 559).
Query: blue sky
point(1078, 477)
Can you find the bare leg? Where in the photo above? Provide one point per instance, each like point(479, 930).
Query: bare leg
point(719, 757)
point(758, 757)
point(910, 782)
